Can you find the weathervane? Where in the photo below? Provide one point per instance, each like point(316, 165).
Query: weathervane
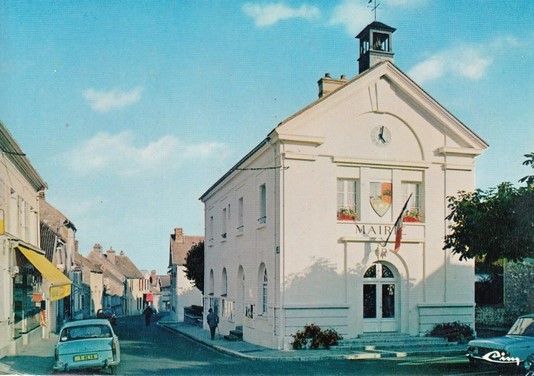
point(373, 7)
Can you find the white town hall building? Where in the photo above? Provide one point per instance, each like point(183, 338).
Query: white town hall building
point(295, 230)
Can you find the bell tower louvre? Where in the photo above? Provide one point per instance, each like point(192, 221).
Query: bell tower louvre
point(375, 45)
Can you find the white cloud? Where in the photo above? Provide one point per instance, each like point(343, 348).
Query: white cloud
point(464, 61)
point(104, 101)
point(269, 14)
point(352, 14)
point(119, 155)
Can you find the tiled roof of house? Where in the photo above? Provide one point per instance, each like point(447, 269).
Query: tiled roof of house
point(180, 245)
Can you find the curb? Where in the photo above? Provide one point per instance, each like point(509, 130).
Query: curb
point(367, 354)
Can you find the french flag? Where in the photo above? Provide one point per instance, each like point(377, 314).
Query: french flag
point(398, 226)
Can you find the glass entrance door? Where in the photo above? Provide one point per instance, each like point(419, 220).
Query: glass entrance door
point(379, 299)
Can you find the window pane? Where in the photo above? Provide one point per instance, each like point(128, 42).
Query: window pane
point(371, 272)
point(348, 198)
point(388, 301)
point(386, 272)
point(369, 301)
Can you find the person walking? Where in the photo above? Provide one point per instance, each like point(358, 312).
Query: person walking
point(213, 322)
point(148, 314)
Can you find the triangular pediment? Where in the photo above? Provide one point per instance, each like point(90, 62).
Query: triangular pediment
point(381, 97)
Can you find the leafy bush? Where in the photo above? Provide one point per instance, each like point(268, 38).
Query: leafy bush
point(453, 331)
point(312, 337)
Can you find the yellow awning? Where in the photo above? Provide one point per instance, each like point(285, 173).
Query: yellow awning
point(60, 283)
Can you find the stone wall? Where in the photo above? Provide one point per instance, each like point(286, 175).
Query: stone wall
point(518, 296)
point(518, 289)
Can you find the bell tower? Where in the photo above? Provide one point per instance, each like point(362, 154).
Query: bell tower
point(375, 45)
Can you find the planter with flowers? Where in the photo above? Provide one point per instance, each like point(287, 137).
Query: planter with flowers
point(312, 337)
point(346, 214)
point(412, 216)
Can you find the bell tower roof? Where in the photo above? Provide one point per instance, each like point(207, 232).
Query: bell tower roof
point(375, 45)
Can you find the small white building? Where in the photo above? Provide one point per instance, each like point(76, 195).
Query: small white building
point(295, 230)
point(182, 292)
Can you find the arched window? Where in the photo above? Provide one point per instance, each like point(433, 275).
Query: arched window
point(224, 283)
point(211, 283)
point(265, 291)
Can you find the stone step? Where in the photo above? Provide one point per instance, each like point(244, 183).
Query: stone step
point(235, 335)
point(392, 341)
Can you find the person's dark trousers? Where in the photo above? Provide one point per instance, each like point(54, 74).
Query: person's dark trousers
point(147, 320)
point(212, 332)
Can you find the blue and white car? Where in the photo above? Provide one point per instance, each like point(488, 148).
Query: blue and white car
point(509, 350)
point(87, 344)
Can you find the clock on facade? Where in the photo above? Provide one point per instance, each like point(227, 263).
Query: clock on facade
point(381, 136)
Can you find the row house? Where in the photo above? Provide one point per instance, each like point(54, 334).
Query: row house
point(124, 286)
point(298, 231)
point(58, 241)
point(31, 285)
point(89, 278)
point(182, 292)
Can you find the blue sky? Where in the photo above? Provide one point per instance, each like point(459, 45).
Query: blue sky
point(130, 110)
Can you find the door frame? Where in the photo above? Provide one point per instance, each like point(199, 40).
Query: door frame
point(379, 323)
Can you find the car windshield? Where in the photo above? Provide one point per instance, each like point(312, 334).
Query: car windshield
point(84, 332)
point(524, 326)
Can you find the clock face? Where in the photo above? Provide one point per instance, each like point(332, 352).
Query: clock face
point(380, 135)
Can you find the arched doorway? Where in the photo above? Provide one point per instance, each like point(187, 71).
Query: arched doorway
point(380, 298)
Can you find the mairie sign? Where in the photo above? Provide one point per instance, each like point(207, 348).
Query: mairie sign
point(373, 230)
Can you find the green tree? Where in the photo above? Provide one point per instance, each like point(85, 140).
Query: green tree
point(493, 224)
point(194, 265)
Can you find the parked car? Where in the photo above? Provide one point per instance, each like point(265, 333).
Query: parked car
point(107, 313)
point(509, 350)
point(87, 344)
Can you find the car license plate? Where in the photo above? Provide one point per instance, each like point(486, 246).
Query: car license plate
point(81, 358)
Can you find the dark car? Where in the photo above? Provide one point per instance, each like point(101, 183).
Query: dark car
point(107, 313)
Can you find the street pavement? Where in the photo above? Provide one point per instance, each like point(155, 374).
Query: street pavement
point(242, 349)
point(42, 351)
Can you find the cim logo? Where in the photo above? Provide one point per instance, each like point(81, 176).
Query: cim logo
point(501, 358)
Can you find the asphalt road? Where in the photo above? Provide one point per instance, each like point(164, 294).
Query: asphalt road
point(155, 351)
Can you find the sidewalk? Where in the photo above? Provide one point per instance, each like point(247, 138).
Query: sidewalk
point(242, 349)
point(33, 356)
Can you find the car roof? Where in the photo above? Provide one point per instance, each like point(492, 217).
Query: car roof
point(529, 316)
point(71, 324)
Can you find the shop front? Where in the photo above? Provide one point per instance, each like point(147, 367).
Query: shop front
point(38, 285)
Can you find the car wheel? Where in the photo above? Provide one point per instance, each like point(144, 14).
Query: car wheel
point(529, 364)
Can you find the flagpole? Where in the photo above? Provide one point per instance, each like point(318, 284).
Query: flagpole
point(399, 218)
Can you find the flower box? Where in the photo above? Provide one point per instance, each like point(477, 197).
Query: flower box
point(345, 217)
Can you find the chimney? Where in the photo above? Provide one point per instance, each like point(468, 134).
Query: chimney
point(328, 84)
point(97, 248)
point(179, 235)
point(110, 254)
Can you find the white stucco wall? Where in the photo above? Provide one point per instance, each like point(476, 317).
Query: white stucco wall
point(315, 263)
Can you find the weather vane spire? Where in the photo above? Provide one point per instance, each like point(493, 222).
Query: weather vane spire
point(374, 7)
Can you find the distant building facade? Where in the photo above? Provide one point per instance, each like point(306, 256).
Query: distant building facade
point(182, 292)
point(296, 231)
point(123, 283)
